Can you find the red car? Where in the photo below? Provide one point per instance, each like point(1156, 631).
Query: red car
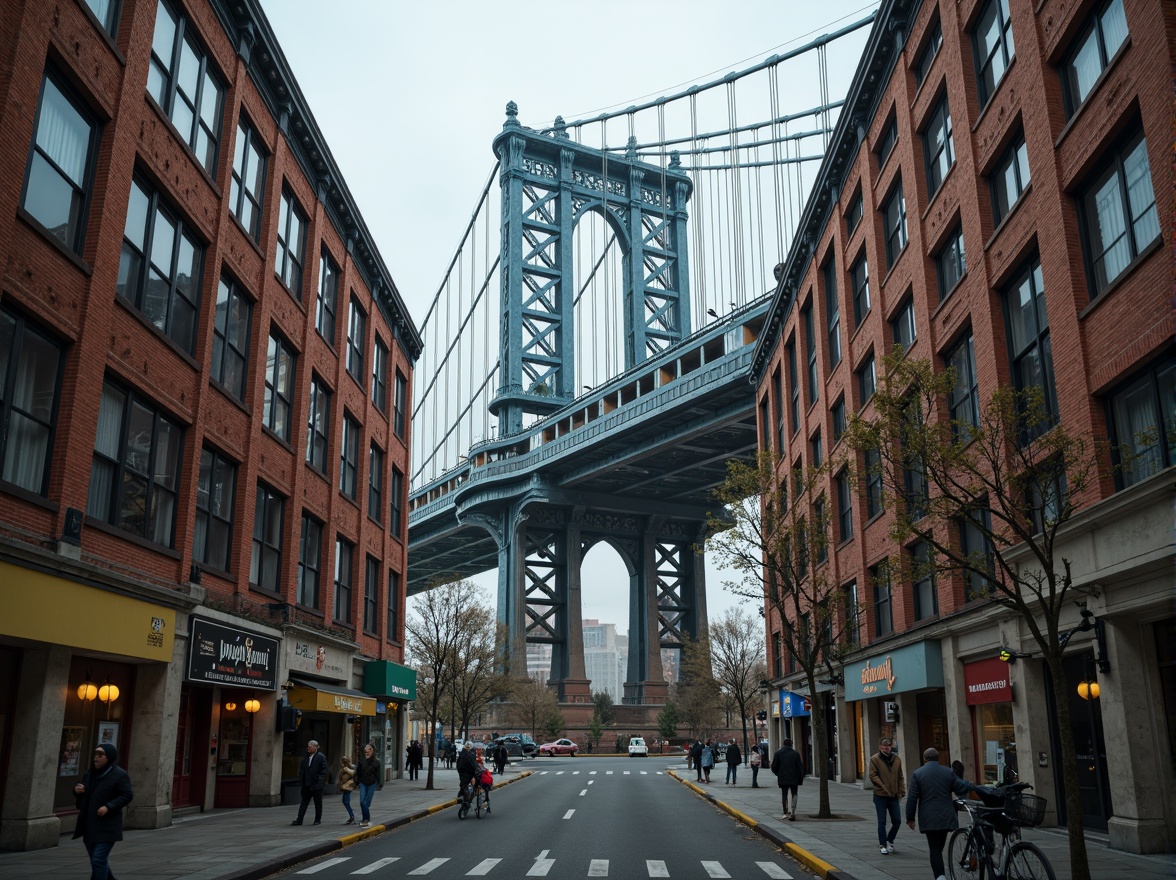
point(559, 747)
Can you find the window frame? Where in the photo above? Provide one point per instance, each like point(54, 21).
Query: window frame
point(371, 595)
point(222, 542)
point(1093, 28)
point(344, 581)
point(1150, 381)
point(984, 58)
point(840, 420)
point(290, 267)
point(248, 145)
point(327, 302)
point(868, 371)
point(223, 349)
point(375, 507)
point(278, 351)
point(844, 505)
point(861, 293)
point(951, 263)
point(380, 354)
point(392, 633)
point(887, 141)
point(778, 400)
point(349, 443)
point(923, 587)
point(793, 386)
point(356, 341)
point(12, 440)
point(310, 566)
point(264, 498)
point(883, 584)
point(1015, 155)
point(110, 21)
point(396, 502)
point(894, 224)
point(318, 424)
point(400, 405)
point(903, 331)
point(963, 410)
point(814, 390)
point(968, 528)
point(875, 503)
point(854, 213)
point(934, 149)
point(922, 66)
point(1031, 274)
point(832, 311)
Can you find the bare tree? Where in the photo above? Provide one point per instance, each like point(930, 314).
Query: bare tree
point(532, 706)
point(480, 677)
point(737, 655)
point(696, 693)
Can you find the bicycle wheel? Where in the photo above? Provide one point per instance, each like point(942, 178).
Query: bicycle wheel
point(965, 858)
point(1027, 862)
point(480, 804)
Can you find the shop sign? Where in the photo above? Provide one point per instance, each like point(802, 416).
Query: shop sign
point(306, 655)
point(387, 679)
point(910, 668)
point(219, 654)
point(987, 681)
point(324, 698)
point(794, 705)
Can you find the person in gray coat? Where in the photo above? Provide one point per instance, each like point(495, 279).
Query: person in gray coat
point(930, 794)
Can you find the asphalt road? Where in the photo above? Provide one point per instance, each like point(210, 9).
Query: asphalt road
point(574, 817)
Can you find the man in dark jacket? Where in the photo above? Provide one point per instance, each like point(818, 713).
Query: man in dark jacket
point(467, 769)
point(734, 759)
point(930, 793)
point(101, 796)
point(789, 770)
point(312, 775)
point(696, 759)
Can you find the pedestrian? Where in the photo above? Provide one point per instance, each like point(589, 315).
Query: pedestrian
point(501, 758)
point(370, 778)
point(734, 759)
point(696, 759)
point(889, 786)
point(755, 760)
point(347, 785)
point(450, 754)
point(932, 786)
point(416, 759)
point(708, 760)
point(101, 796)
point(312, 776)
point(789, 772)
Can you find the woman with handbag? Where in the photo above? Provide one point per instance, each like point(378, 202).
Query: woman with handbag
point(347, 785)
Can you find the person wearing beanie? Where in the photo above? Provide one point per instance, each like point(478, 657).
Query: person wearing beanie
point(101, 796)
point(930, 796)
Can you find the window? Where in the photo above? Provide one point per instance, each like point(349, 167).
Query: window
point(883, 622)
point(992, 46)
point(873, 483)
point(886, 141)
point(793, 387)
point(159, 268)
point(852, 617)
point(833, 310)
point(853, 215)
point(938, 148)
point(1096, 46)
point(396, 520)
point(820, 536)
point(816, 444)
point(923, 591)
point(318, 424)
point(914, 474)
point(859, 276)
point(894, 218)
point(371, 589)
point(213, 535)
point(902, 328)
point(230, 337)
point(106, 11)
point(810, 342)
point(1045, 494)
point(963, 401)
point(1009, 179)
point(1029, 345)
point(1119, 212)
point(393, 606)
point(291, 250)
point(279, 379)
point(328, 297)
point(182, 82)
point(1143, 423)
point(135, 473)
point(930, 51)
point(778, 653)
point(399, 405)
point(265, 566)
point(977, 550)
point(839, 424)
point(247, 191)
point(310, 557)
point(60, 171)
point(349, 457)
point(844, 506)
point(380, 375)
point(356, 342)
point(343, 553)
point(867, 381)
point(950, 263)
point(778, 400)
point(376, 483)
point(30, 382)
point(764, 426)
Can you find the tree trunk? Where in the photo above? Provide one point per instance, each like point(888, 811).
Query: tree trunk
point(820, 753)
point(1079, 866)
point(432, 744)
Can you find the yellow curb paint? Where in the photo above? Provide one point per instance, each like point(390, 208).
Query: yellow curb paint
point(818, 866)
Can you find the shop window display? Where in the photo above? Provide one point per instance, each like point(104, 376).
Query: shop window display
point(996, 747)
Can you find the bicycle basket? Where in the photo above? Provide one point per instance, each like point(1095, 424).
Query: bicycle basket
point(1026, 809)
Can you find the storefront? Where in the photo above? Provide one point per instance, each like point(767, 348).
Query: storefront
point(989, 696)
point(795, 712)
point(394, 687)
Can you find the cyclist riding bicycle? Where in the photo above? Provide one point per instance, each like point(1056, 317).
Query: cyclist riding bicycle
point(467, 769)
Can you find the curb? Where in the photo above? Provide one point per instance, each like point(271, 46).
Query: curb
point(817, 865)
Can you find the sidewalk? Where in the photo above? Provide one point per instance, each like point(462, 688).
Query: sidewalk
point(253, 843)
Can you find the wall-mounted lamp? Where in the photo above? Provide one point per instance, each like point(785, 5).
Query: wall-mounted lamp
point(87, 690)
point(252, 706)
point(230, 706)
point(108, 693)
point(1010, 656)
point(1088, 690)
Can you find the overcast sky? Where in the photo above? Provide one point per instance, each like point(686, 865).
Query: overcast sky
point(410, 95)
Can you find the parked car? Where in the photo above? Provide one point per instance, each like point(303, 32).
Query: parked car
point(518, 745)
point(559, 747)
point(638, 748)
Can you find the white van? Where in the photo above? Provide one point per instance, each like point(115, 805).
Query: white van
point(638, 748)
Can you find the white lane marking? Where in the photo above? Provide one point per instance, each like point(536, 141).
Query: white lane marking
point(376, 865)
point(598, 868)
point(575, 772)
point(560, 772)
point(542, 855)
point(626, 772)
point(608, 773)
point(541, 867)
point(656, 869)
point(590, 781)
point(644, 772)
point(591, 772)
point(714, 869)
point(567, 815)
point(774, 871)
point(483, 867)
point(431, 865)
point(322, 866)
point(583, 792)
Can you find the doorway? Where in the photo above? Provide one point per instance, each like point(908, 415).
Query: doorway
point(1090, 746)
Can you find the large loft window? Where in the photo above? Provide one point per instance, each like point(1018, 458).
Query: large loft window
point(290, 254)
point(30, 386)
point(894, 224)
point(279, 384)
point(230, 337)
point(1101, 38)
point(938, 147)
point(1010, 179)
point(247, 191)
point(265, 563)
point(1143, 423)
point(212, 539)
point(992, 47)
point(1030, 352)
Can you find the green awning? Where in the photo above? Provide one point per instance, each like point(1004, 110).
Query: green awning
point(383, 678)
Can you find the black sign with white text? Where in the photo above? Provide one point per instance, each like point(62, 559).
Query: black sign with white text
point(219, 654)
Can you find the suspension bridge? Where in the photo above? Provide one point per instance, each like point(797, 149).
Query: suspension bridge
point(585, 375)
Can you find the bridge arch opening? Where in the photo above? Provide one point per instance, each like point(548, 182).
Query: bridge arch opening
point(599, 252)
point(606, 580)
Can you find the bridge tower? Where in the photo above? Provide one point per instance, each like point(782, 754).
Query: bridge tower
point(548, 183)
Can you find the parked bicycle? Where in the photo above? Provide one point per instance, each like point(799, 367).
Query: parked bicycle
point(976, 853)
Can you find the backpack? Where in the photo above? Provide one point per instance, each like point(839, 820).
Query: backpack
point(486, 779)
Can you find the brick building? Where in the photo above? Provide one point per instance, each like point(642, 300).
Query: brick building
point(205, 370)
point(997, 197)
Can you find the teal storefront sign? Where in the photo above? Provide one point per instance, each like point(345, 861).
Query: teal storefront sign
point(910, 668)
point(383, 678)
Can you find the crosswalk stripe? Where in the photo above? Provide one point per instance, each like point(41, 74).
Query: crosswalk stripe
point(656, 869)
point(483, 867)
point(626, 772)
point(568, 814)
point(590, 781)
point(774, 871)
point(598, 868)
point(322, 866)
point(584, 792)
point(376, 865)
point(560, 772)
point(591, 772)
point(541, 867)
point(575, 772)
point(644, 772)
point(608, 773)
point(714, 869)
point(431, 865)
